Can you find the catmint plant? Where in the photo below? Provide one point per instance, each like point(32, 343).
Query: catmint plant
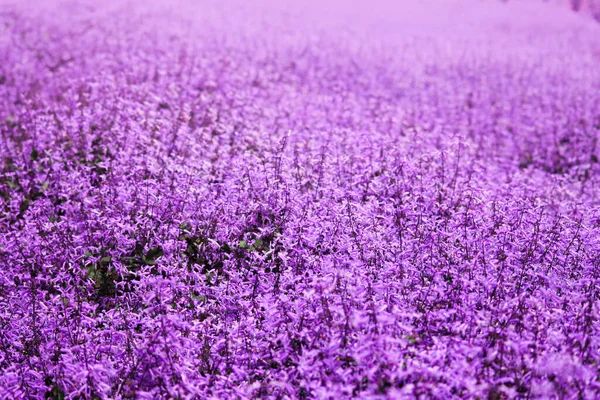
point(227, 199)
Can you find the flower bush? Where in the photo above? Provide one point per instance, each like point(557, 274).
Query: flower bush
point(233, 200)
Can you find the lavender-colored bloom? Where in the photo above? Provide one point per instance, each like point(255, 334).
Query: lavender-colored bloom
point(228, 199)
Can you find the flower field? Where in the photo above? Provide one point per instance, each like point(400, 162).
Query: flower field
point(306, 200)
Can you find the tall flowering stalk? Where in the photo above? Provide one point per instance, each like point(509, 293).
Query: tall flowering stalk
point(234, 200)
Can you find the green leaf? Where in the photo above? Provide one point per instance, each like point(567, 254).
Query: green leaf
point(200, 298)
point(91, 272)
point(12, 185)
point(24, 206)
point(55, 394)
point(242, 244)
point(154, 253)
point(106, 259)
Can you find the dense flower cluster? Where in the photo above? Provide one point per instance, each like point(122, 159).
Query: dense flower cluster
point(226, 199)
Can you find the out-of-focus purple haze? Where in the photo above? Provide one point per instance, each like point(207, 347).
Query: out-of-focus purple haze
point(299, 199)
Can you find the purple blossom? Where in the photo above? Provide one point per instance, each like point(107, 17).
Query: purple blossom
point(227, 199)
